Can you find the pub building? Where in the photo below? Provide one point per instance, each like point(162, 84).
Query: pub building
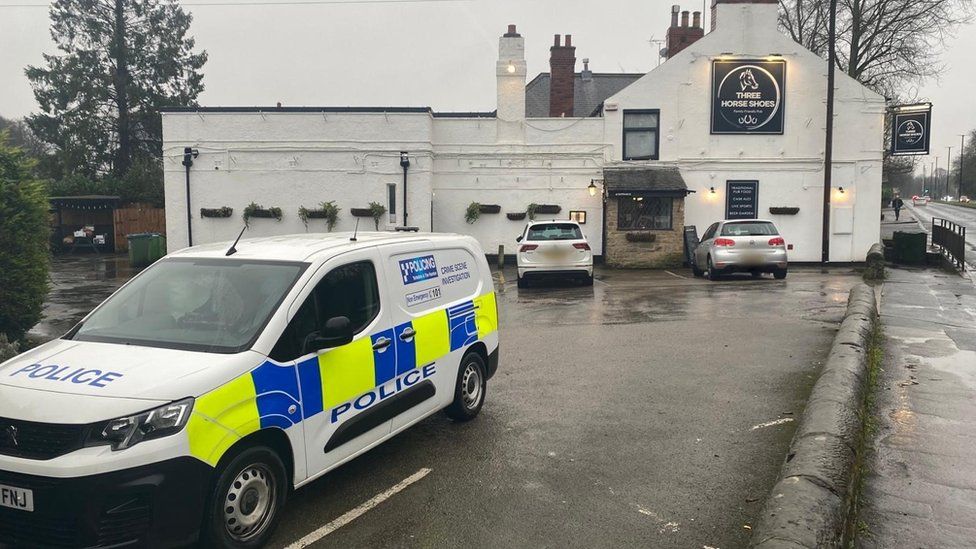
point(730, 126)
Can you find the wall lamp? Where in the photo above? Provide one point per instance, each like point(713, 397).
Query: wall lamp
point(511, 68)
point(840, 190)
point(592, 187)
point(711, 190)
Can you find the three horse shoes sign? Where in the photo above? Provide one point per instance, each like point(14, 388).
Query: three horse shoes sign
point(748, 96)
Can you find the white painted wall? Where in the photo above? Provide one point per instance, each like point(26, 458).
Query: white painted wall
point(789, 167)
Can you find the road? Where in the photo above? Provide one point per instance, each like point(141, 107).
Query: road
point(653, 409)
point(957, 214)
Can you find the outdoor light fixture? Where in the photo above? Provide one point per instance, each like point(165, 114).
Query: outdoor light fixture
point(711, 190)
point(511, 68)
point(592, 187)
point(840, 190)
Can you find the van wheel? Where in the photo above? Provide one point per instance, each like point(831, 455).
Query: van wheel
point(246, 503)
point(779, 274)
point(469, 391)
point(588, 280)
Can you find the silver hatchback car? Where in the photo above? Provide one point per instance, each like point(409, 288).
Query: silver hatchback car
point(742, 245)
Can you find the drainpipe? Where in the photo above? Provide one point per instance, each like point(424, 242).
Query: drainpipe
point(189, 153)
point(405, 164)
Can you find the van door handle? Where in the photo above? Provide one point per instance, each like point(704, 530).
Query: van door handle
point(407, 334)
point(382, 343)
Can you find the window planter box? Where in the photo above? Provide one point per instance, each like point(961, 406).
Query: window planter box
point(361, 212)
point(784, 210)
point(548, 209)
point(216, 212)
point(641, 237)
point(489, 208)
point(515, 216)
point(315, 214)
point(268, 213)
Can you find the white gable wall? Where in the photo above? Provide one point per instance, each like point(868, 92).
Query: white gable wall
point(789, 167)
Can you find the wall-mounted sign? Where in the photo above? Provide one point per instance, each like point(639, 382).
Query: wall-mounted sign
point(748, 96)
point(910, 128)
point(578, 216)
point(741, 199)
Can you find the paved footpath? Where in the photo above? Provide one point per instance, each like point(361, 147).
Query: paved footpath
point(921, 480)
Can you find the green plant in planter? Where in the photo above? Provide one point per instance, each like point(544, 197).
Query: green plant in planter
point(331, 212)
point(377, 210)
point(530, 211)
point(472, 213)
point(256, 210)
point(303, 215)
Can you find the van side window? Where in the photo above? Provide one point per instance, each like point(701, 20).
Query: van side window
point(350, 290)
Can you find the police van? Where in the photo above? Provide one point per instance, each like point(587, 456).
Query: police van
point(188, 404)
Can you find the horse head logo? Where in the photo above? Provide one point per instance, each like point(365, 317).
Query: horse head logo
point(747, 80)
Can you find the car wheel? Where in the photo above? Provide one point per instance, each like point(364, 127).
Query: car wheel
point(711, 272)
point(588, 280)
point(246, 503)
point(779, 274)
point(698, 273)
point(469, 391)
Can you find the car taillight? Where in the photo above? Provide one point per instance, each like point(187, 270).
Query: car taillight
point(581, 246)
point(528, 247)
point(778, 241)
point(724, 242)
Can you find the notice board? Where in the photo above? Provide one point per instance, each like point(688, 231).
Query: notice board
point(741, 199)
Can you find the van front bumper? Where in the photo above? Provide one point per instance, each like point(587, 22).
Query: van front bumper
point(157, 505)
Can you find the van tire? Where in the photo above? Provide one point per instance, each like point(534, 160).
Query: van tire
point(236, 490)
point(469, 390)
point(779, 274)
point(588, 280)
point(522, 283)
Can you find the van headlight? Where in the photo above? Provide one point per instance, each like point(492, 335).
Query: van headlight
point(126, 432)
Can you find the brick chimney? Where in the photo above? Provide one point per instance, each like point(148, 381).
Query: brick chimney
point(681, 36)
point(715, 8)
point(562, 77)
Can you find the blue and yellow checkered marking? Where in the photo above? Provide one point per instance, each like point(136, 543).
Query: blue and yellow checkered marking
point(282, 395)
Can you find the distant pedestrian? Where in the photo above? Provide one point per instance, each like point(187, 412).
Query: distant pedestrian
point(897, 203)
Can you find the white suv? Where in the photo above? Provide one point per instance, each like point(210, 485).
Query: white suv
point(548, 248)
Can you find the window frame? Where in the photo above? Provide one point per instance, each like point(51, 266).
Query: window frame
point(313, 297)
point(670, 226)
point(626, 130)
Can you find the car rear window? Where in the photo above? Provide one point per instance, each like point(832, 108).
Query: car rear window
point(749, 228)
point(555, 231)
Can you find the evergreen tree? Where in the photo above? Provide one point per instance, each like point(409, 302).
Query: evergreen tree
point(23, 243)
point(120, 61)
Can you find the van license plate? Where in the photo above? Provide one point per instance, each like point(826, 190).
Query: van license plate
point(16, 498)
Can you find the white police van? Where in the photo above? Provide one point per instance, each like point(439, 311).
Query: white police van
point(188, 404)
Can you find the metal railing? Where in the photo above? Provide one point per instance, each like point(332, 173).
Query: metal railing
point(951, 240)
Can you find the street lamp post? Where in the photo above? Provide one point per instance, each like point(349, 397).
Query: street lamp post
point(828, 148)
point(962, 150)
point(948, 169)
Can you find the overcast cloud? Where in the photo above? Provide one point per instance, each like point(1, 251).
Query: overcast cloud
point(437, 54)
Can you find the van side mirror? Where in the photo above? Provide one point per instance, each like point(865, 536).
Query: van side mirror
point(518, 238)
point(336, 333)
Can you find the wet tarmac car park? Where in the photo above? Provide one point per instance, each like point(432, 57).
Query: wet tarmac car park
point(652, 409)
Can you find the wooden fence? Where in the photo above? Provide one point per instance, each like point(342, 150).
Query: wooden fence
point(137, 218)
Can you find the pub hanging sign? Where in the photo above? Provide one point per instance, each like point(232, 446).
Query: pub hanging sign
point(748, 96)
point(910, 127)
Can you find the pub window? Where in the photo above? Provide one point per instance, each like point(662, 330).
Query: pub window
point(641, 134)
point(391, 189)
point(644, 213)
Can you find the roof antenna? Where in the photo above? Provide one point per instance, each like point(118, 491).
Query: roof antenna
point(233, 247)
point(354, 233)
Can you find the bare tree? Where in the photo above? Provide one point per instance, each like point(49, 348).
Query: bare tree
point(885, 44)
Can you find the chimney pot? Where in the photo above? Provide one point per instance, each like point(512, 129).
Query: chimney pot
point(674, 15)
point(511, 29)
point(555, 42)
point(684, 18)
point(569, 40)
point(696, 19)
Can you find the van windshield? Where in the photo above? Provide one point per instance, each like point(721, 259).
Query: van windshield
point(210, 305)
point(749, 228)
point(555, 231)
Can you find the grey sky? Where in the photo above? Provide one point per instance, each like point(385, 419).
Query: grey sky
point(437, 54)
